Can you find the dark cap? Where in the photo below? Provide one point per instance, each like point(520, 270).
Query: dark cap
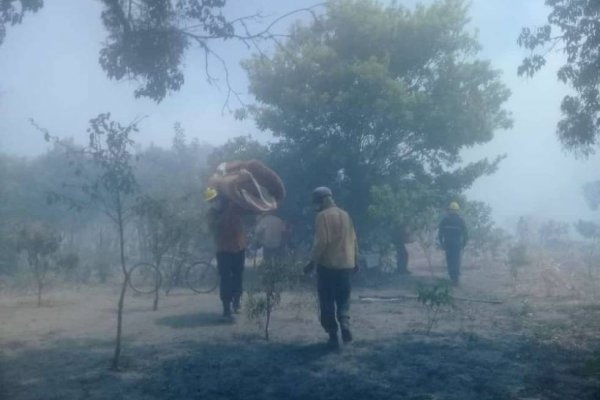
point(321, 192)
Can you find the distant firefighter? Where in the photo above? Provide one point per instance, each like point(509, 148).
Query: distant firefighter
point(453, 237)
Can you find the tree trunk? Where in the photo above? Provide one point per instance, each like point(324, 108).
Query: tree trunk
point(39, 279)
point(430, 263)
point(39, 293)
point(428, 256)
point(268, 317)
point(591, 265)
point(157, 261)
point(401, 258)
point(156, 295)
point(115, 361)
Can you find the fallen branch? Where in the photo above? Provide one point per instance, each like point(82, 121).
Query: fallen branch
point(402, 297)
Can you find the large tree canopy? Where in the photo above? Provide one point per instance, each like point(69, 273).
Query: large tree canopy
point(370, 95)
point(573, 26)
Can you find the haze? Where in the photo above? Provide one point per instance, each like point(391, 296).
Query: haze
point(49, 72)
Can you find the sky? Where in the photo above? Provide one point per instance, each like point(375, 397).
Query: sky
point(49, 72)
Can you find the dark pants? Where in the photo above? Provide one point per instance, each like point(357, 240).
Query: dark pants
point(453, 260)
point(231, 271)
point(334, 298)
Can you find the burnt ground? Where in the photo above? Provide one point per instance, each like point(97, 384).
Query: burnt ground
point(538, 343)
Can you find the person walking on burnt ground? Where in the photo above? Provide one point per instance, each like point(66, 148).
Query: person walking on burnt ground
point(334, 255)
point(226, 225)
point(453, 237)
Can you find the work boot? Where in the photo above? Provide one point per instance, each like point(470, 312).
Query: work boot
point(227, 312)
point(346, 335)
point(236, 306)
point(333, 342)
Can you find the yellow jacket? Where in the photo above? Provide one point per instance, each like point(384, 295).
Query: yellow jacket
point(335, 244)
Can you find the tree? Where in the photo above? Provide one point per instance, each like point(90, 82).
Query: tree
point(40, 244)
point(591, 232)
point(517, 258)
point(478, 217)
point(435, 298)
point(23, 200)
point(107, 179)
point(498, 241)
point(427, 233)
point(591, 192)
point(162, 229)
point(573, 25)
point(13, 11)
point(553, 233)
point(26, 182)
point(273, 278)
point(238, 148)
point(371, 95)
point(409, 211)
point(8, 250)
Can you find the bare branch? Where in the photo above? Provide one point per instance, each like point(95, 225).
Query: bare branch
point(267, 31)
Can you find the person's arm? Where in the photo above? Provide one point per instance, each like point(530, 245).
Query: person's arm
point(212, 220)
point(320, 240)
point(465, 233)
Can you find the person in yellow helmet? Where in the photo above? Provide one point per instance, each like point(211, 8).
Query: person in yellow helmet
point(226, 226)
point(453, 237)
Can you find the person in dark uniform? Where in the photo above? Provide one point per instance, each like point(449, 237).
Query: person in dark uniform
point(453, 237)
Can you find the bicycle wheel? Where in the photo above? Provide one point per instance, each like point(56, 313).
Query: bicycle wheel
point(202, 277)
point(144, 278)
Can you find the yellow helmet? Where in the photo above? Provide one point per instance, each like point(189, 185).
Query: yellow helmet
point(210, 193)
point(454, 206)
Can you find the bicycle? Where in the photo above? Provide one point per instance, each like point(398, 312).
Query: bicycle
point(201, 276)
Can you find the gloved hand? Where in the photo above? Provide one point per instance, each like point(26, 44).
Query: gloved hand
point(308, 268)
point(356, 268)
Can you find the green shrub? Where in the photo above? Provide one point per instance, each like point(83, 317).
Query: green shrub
point(435, 298)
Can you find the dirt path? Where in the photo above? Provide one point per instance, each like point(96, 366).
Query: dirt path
point(525, 348)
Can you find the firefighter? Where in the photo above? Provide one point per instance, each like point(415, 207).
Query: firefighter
point(334, 255)
point(226, 226)
point(452, 235)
